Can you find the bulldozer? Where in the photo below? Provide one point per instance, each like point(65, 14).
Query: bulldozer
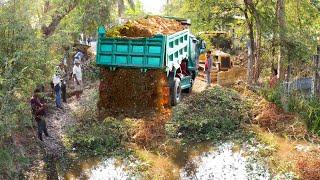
point(221, 60)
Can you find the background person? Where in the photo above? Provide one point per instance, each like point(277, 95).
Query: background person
point(208, 67)
point(77, 78)
point(57, 89)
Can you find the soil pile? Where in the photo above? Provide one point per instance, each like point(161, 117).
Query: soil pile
point(146, 27)
point(131, 92)
point(241, 59)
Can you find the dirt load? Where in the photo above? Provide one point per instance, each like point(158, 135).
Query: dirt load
point(146, 27)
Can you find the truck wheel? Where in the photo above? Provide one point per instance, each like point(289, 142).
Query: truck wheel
point(175, 92)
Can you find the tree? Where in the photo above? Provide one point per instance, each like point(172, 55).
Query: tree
point(281, 19)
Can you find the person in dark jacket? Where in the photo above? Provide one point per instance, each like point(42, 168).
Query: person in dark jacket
point(38, 111)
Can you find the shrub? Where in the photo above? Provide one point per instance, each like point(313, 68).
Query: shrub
point(273, 95)
point(209, 115)
point(308, 108)
point(99, 137)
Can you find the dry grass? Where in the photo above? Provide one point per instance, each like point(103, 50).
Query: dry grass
point(308, 166)
point(284, 132)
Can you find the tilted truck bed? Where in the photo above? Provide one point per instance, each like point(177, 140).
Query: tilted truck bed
point(157, 52)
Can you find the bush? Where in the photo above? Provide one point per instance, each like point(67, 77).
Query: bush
point(209, 115)
point(273, 95)
point(309, 109)
point(99, 138)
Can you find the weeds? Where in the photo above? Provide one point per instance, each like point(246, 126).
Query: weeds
point(99, 138)
point(211, 114)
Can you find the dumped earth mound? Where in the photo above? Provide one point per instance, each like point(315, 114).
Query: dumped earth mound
point(131, 92)
point(211, 114)
point(146, 27)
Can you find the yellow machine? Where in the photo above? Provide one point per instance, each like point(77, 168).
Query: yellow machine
point(221, 60)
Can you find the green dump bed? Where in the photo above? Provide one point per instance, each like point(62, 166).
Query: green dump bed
point(158, 52)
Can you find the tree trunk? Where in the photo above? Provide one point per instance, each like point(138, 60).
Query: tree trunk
point(281, 19)
point(57, 17)
point(316, 61)
point(250, 5)
point(251, 48)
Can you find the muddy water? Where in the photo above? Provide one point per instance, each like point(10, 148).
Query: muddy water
point(225, 161)
point(97, 169)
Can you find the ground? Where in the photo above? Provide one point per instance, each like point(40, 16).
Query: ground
point(288, 147)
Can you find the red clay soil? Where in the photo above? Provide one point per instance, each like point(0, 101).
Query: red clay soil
point(147, 27)
point(150, 131)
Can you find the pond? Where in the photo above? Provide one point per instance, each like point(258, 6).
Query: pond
point(224, 161)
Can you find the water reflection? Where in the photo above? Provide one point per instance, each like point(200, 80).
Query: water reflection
point(224, 163)
point(96, 169)
point(200, 161)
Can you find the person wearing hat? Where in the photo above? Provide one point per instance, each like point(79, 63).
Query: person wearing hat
point(77, 78)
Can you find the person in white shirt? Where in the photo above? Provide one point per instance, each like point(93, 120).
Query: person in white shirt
point(77, 78)
point(57, 89)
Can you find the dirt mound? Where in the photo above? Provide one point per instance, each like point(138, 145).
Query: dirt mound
point(151, 130)
point(132, 92)
point(146, 27)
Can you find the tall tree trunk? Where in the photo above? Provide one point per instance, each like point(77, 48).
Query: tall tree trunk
point(281, 19)
point(252, 8)
point(317, 73)
point(251, 47)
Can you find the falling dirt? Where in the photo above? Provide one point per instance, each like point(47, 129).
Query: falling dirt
point(132, 93)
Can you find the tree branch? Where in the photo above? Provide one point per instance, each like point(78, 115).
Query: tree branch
point(56, 18)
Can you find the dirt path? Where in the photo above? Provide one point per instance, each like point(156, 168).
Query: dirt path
point(58, 122)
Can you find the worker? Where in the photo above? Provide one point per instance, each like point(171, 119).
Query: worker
point(274, 78)
point(38, 111)
point(208, 67)
point(57, 88)
point(79, 55)
point(77, 78)
point(63, 78)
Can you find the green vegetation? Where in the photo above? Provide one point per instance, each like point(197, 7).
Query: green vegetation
point(211, 114)
point(99, 138)
point(306, 106)
point(308, 109)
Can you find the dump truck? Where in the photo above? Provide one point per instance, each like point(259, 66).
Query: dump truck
point(176, 55)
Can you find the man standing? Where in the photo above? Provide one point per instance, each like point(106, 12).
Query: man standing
point(77, 78)
point(208, 67)
point(63, 78)
point(38, 111)
point(57, 89)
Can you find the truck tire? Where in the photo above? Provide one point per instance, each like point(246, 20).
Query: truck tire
point(175, 92)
